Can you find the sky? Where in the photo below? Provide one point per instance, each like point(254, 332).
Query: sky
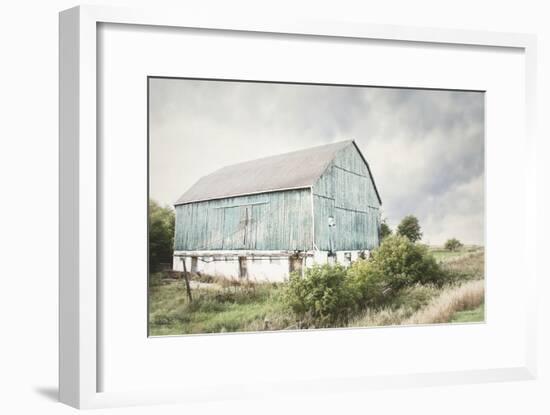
point(425, 148)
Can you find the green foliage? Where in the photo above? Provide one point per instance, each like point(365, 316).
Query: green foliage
point(453, 244)
point(323, 297)
point(370, 285)
point(385, 230)
point(410, 228)
point(161, 235)
point(396, 264)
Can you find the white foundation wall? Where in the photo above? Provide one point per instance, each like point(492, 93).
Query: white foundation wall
point(205, 265)
point(259, 268)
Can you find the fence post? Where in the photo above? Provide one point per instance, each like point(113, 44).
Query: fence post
point(186, 278)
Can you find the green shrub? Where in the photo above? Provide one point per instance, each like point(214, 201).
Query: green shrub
point(396, 264)
point(370, 285)
point(323, 297)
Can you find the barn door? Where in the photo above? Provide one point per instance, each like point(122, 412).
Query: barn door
point(239, 227)
point(232, 228)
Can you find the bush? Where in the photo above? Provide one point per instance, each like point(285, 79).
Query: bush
point(453, 244)
point(323, 297)
point(369, 283)
point(396, 264)
point(398, 273)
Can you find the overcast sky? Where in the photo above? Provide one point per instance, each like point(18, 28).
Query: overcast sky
point(425, 148)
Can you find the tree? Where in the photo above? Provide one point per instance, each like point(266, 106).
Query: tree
point(453, 244)
point(410, 228)
point(385, 229)
point(161, 235)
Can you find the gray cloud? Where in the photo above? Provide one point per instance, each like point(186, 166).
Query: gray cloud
point(425, 148)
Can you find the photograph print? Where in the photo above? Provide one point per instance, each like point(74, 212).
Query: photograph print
point(287, 206)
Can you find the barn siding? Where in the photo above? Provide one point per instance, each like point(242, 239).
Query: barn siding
point(346, 191)
point(276, 221)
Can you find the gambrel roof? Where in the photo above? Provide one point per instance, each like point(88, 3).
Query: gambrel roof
point(296, 170)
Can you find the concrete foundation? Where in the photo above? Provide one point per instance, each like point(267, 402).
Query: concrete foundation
point(261, 266)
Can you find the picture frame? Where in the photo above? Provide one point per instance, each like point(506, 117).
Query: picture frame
point(80, 168)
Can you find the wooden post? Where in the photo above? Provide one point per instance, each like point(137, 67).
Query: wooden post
point(186, 278)
point(194, 264)
point(296, 263)
point(243, 272)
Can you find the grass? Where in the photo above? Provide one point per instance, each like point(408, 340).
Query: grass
point(469, 265)
point(429, 305)
point(221, 305)
point(467, 296)
point(401, 308)
point(444, 255)
point(468, 316)
point(234, 307)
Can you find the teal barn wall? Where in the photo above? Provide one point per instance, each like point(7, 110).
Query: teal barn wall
point(346, 191)
point(269, 221)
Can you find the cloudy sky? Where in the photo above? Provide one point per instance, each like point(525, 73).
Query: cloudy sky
point(425, 148)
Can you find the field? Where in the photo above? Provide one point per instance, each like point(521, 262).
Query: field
point(216, 308)
point(230, 306)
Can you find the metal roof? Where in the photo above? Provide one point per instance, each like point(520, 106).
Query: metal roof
point(296, 170)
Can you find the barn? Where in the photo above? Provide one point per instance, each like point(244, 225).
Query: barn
point(265, 218)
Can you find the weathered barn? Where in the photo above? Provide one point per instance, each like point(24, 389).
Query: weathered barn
point(262, 219)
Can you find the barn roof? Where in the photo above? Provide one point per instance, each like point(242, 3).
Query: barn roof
point(296, 170)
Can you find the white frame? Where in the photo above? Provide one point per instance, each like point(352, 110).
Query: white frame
point(78, 191)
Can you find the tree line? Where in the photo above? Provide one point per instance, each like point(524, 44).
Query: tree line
point(410, 228)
